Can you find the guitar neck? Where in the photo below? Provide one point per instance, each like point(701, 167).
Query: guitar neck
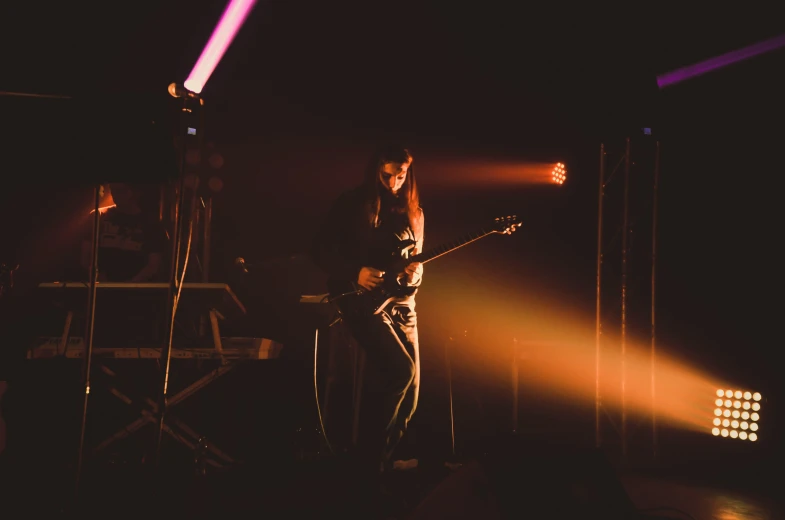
point(436, 252)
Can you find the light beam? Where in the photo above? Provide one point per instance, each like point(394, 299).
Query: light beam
point(691, 71)
point(223, 34)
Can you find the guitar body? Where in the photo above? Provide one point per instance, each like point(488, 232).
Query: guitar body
point(356, 302)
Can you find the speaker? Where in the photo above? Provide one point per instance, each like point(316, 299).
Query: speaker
point(531, 483)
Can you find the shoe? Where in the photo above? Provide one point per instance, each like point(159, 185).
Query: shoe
point(405, 465)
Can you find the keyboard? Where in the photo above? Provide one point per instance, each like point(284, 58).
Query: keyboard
point(233, 348)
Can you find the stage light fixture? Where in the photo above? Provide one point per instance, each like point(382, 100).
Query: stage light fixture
point(736, 428)
point(559, 173)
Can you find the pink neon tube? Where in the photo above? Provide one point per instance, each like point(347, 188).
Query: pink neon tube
point(223, 34)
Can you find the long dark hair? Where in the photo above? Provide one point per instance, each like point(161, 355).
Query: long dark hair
point(408, 196)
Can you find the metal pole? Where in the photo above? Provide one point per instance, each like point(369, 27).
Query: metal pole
point(161, 202)
point(624, 247)
point(653, 301)
point(449, 380)
point(206, 224)
point(89, 331)
point(514, 386)
point(598, 325)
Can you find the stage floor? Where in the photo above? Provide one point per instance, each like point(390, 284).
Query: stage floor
point(482, 488)
point(701, 501)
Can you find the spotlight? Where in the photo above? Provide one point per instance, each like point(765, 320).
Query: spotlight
point(730, 407)
point(559, 173)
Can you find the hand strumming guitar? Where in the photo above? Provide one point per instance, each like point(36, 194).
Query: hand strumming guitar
point(370, 278)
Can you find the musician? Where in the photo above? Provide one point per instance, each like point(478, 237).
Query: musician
point(363, 227)
point(132, 242)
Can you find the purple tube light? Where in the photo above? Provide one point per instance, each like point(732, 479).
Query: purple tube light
point(691, 71)
point(231, 20)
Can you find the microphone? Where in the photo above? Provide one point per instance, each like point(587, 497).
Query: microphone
point(240, 262)
point(179, 91)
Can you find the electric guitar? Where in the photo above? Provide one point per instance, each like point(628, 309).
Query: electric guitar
point(356, 301)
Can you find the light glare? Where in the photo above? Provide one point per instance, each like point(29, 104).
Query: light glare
point(756, 396)
point(715, 431)
point(753, 437)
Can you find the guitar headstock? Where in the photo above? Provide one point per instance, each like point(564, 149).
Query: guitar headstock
point(506, 225)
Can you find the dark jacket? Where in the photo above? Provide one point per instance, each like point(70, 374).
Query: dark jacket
point(346, 241)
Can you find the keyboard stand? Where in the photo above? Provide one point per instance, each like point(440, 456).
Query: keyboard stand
point(147, 407)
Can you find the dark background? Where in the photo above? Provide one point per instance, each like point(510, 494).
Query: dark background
point(307, 90)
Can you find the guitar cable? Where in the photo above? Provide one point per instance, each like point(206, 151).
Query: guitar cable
point(326, 299)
